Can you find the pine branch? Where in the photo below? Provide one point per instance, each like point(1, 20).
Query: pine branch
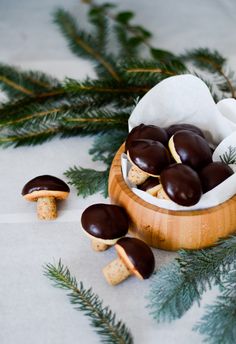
point(212, 62)
point(218, 323)
point(178, 285)
point(18, 138)
point(18, 83)
point(88, 181)
point(102, 319)
point(148, 72)
point(117, 94)
point(97, 121)
point(97, 17)
point(83, 44)
point(229, 157)
point(106, 145)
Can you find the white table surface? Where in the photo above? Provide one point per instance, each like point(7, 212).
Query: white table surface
point(31, 310)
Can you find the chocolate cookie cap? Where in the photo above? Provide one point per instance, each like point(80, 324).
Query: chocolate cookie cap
point(214, 174)
point(182, 184)
point(105, 221)
point(139, 254)
point(148, 155)
point(45, 182)
point(191, 149)
point(150, 132)
point(172, 129)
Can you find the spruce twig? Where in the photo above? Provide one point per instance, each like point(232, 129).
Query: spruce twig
point(218, 322)
point(102, 318)
point(18, 83)
point(212, 62)
point(229, 157)
point(181, 283)
point(83, 44)
point(88, 181)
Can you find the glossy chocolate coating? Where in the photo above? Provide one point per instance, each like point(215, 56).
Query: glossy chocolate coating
point(148, 155)
point(192, 149)
point(172, 129)
point(214, 174)
point(45, 182)
point(182, 184)
point(105, 221)
point(149, 132)
point(150, 183)
point(139, 254)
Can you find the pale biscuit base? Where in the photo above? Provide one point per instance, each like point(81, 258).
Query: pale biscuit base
point(153, 191)
point(161, 194)
point(137, 176)
point(46, 208)
point(173, 151)
point(116, 272)
point(33, 196)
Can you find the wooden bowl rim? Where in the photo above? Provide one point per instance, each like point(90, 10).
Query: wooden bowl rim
point(116, 168)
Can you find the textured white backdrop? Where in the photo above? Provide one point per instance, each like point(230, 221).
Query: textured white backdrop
point(31, 310)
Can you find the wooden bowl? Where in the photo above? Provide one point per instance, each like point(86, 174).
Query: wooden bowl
point(169, 229)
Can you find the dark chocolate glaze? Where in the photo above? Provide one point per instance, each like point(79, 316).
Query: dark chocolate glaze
point(214, 174)
point(150, 156)
point(150, 183)
point(45, 182)
point(182, 184)
point(150, 132)
point(172, 129)
point(139, 254)
point(192, 149)
point(105, 221)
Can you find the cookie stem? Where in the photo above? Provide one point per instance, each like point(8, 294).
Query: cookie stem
point(98, 245)
point(46, 208)
point(116, 272)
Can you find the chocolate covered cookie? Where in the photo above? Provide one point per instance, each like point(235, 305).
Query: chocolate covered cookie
point(174, 128)
point(148, 158)
point(214, 174)
point(181, 184)
point(150, 132)
point(191, 149)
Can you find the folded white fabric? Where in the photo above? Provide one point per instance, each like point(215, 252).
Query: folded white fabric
point(187, 99)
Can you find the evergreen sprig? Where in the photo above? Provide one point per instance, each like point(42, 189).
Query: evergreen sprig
point(18, 83)
point(102, 318)
point(88, 181)
point(218, 323)
point(215, 64)
point(229, 157)
point(181, 283)
point(84, 44)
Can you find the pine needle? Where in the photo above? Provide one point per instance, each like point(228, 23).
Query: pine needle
point(88, 181)
point(102, 318)
point(218, 322)
point(181, 283)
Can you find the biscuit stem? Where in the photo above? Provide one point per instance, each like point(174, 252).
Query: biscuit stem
point(137, 176)
point(116, 272)
point(98, 245)
point(46, 208)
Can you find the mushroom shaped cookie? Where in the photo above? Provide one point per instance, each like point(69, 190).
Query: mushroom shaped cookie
point(190, 149)
point(45, 190)
point(151, 186)
point(104, 224)
point(172, 129)
point(148, 158)
point(134, 258)
point(181, 184)
point(150, 132)
point(214, 174)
